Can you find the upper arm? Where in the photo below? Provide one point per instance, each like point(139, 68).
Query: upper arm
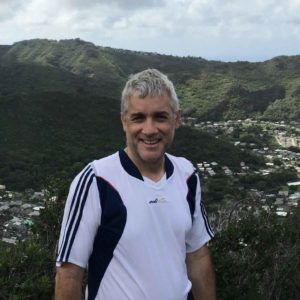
point(81, 220)
point(200, 232)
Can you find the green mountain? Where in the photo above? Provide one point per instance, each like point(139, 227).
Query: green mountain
point(210, 89)
point(59, 103)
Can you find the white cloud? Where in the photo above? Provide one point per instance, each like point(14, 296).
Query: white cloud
point(9, 8)
point(209, 28)
point(133, 4)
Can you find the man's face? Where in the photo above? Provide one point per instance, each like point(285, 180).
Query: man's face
point(149, 125)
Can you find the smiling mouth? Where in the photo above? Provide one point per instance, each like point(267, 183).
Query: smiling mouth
point(150, 142)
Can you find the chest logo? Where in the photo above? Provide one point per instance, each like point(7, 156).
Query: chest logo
point(158, 200)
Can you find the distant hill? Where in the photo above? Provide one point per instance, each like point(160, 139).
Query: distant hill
point(59, 103)
point(211, 89)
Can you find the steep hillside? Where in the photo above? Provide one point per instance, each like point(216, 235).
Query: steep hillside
point(211, 89)
point(242, 90)
point(59, 103)
point(61, 66)
point(53, 135)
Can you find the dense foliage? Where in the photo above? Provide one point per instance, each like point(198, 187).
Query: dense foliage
point(216, 90)
point(59, 109)
point(271, 182)
point(27, 270)
point(256, 257)
point(45, 136)
point(56, 134)
point(59, 104)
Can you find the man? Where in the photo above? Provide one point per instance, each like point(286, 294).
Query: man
point(134, 219)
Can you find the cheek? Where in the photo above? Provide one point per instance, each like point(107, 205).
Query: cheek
point(131, 131)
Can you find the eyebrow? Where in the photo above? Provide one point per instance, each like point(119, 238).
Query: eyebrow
point(161, 113)
point(156, 113)
point(137, 115)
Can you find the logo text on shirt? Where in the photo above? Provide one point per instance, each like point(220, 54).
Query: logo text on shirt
point(158, 200)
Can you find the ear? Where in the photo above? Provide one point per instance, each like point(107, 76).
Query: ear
point(123, 121)
point(177, 118)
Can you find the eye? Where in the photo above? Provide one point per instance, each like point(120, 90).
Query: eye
point(161, 117)
point(137, 118)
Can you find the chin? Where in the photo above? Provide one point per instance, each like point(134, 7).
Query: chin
point(151, 158)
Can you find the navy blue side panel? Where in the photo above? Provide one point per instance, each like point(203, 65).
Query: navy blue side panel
point(168, 167)
point(191, 195)
point(206, 221)
point(191, 198)
point(113, 221)
point(75, 213)
point(129, 166)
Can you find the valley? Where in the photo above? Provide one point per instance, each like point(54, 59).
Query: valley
point(59, 110)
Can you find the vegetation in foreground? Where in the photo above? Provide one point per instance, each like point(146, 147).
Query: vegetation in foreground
point(256, 257)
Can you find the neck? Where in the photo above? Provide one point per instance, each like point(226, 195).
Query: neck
point(154, 175)
point(153, 170)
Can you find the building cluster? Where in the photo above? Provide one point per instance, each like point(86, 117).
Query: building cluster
point(281, 157)
point(283, 202)
point(287, 135)
point(17, 213)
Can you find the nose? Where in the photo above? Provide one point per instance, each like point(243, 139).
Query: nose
point(149, 127)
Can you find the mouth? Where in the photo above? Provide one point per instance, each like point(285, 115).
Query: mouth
point(150, 141)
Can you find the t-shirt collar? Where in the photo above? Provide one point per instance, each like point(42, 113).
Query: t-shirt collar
point(132, 169)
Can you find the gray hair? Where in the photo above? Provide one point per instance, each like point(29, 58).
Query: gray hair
point(149, 82)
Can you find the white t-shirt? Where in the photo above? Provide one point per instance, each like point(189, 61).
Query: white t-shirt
point(132, 234)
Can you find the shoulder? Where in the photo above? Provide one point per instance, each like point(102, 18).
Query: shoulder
point(98, 167)
point(181, 164)
point(106, 164)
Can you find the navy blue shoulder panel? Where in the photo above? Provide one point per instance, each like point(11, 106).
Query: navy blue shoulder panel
point(191, 195)
point(113, 221)
point(129, 166)
point(168, 167)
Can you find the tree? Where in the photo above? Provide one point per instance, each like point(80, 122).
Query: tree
point(257, 257)
point(27, 269)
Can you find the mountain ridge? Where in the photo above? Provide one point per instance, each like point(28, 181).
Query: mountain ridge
point(201, 84)
point(59, 104)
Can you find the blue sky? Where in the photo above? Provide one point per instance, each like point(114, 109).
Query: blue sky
point(225, 30)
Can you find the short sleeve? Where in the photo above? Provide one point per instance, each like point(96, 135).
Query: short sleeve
point(201, 231)
point(81, 220)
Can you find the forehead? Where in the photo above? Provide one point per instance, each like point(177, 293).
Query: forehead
point(149, 103)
